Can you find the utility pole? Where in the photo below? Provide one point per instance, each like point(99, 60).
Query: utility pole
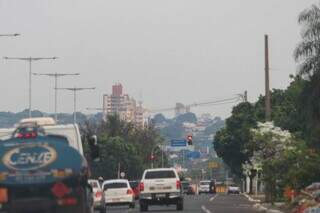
point(246, 96)
point(119, 170)
point(267, 80)
point(9, 35)
point(30, 60)
point(75, 90)
point(162, 156)
point(56, 76)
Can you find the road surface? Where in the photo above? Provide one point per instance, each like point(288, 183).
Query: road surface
point(201, 204)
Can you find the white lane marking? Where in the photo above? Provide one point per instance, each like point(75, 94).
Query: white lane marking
point(214, 197)
point(205, 209)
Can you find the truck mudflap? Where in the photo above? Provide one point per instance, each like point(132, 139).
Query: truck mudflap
point(40, 160)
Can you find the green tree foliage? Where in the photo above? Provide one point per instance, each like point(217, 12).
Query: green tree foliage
point(213, 128)
point(125, 144)
point(286, 110)
point(231, 142)
point(307, 55)
point(277, 150)
point(173, 131)
point(187, 117)
point(159, 118)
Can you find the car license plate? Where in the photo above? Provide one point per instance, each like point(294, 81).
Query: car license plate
point(160, 195)
point(115, 199)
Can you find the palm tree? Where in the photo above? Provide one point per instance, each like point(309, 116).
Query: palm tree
point(307, 52)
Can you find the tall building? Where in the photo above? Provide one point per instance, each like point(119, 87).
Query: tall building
point(124, 106)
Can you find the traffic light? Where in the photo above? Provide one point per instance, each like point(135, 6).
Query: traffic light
point(152, 157)
point(189, 139)
point(94, 148)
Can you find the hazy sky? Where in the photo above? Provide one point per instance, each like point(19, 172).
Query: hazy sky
point(163, 51)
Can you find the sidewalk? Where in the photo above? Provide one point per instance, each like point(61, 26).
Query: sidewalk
point(262, 206)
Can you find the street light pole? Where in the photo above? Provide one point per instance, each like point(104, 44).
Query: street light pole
point(74, 90)
point(56, 76)
point(9, 35)
point(30, 60)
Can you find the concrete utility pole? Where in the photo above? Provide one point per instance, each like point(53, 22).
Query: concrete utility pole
point(30, 60)
point(267, 81)
point(246, 96)
point(75, 90)
point(56, 76)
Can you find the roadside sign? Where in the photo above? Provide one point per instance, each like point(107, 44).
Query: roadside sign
point(122, 174)
point(194, 154)
point(213, 165)
point(178, 143)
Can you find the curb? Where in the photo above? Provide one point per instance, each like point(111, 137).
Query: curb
point(251, 199)
point(260, 207)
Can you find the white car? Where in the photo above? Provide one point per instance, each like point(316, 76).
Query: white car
point(204, 186)
point(233, 190)
point(118, 192)
point(160, 187)
point(98, 199)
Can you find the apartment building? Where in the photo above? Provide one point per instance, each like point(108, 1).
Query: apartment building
point(124, 106)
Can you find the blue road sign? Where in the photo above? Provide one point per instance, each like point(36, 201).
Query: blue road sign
point(195, 154)
point(178, 143)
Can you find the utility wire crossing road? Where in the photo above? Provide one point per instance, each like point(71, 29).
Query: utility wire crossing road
point(201, 204)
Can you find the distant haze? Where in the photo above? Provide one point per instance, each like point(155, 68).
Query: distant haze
point(162, 51)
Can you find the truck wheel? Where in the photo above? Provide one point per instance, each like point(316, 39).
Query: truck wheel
point(102, 210)
point(143, 206)
point(180, 205)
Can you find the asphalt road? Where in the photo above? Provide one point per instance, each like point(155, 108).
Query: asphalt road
point(200, 204)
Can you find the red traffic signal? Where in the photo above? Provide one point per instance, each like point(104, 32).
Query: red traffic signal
point(189, 139)
point(152, 157)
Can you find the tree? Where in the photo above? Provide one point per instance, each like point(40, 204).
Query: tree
point(122, 143)
point(279, 150)
point(188, 117)
point(159, 118)
point(308, 51)
point(231, 142)
point(307, 55)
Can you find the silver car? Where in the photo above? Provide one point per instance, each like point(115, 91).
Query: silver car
point(98, 198)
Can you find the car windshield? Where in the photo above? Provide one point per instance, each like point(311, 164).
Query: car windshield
point(204, 183)
point(185, 184)
point(115, 185)
point(160, 174)
point(133, 184)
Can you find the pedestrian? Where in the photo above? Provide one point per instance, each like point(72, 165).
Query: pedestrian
point(212, 187)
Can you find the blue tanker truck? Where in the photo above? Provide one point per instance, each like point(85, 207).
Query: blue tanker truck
point(42, 169)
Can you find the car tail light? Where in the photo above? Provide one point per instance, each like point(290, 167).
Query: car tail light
point(71, 201)
point(3, 195)
point(141, 187)
point(98, 194)
point(129, 192)
point(60, 190)
point(26, 135)
point(178, 184)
